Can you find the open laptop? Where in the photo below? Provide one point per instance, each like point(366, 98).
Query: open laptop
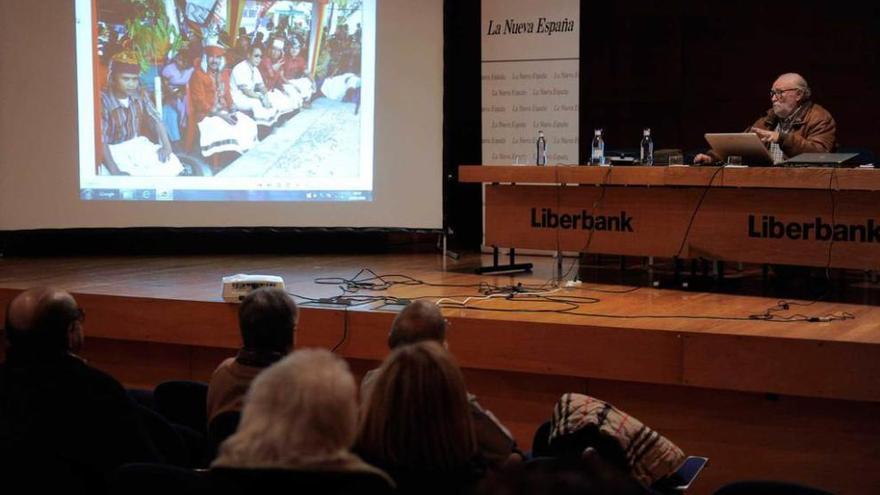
point(822, 160)
point(744, 144)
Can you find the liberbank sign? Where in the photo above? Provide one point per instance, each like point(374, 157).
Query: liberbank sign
point(549, 219)
point(757, 226)
point(762, 215)
point(771, 227)
point(752, 225)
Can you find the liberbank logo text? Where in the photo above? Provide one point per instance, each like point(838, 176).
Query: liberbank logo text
point(546, 218)
point(768, 227)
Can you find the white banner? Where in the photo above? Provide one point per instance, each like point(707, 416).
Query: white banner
point(530, 72)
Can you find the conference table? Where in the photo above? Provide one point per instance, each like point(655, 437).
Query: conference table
point(826, 217)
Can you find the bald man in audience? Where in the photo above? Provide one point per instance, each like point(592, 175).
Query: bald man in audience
point(420, 321)
point(793, 125)
point(62, 422)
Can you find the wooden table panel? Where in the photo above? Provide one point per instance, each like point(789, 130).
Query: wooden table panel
point(756, 225)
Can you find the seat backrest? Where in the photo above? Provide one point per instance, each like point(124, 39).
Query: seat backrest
point(152, 479)
point(183, 402)
point(165, 438)
point(240, 481)
point(221, 427)
point(541, 440)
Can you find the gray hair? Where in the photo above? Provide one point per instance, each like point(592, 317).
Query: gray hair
point(800, 83)
point(300, 411)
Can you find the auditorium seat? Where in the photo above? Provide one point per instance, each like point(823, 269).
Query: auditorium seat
point(541, 441)
point(183, 402)
point(153, 479)
point(768, 488)
point(221, 428)
point(167, 441)
point(222, 481)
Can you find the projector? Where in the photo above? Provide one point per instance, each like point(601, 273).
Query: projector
point(237, 287)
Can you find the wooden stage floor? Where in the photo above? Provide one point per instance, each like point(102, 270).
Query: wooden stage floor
point(771, 400)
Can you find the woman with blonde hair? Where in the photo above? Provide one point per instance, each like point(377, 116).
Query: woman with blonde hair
point(416, 423)
point(297, 427)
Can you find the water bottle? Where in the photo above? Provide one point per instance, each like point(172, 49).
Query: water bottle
point(541, 153)
point(598, 155)
point(646, 148)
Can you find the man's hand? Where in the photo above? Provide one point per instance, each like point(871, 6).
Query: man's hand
point(164, 153)
point(229, 118)
point(703, 158)
point(766, 136)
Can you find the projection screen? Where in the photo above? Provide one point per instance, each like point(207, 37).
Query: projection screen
point(200, 113)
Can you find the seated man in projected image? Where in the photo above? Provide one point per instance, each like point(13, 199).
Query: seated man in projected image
point(221, 126)
point(249, 92)
point(293, 72)
point(793, 125)
point(126, 111)
point(285, 99)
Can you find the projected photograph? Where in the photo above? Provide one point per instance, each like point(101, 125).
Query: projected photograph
point(226, 99)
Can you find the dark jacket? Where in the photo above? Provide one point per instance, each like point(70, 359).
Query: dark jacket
point(60, 418)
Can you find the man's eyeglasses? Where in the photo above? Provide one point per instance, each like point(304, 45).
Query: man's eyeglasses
point(779, 92)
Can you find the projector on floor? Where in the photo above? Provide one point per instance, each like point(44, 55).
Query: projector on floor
point(237, 287)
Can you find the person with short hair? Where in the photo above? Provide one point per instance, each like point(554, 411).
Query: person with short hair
point(249, 92)
point(221, 126)
point(61, 420)
point(267, 320)
point(293, 72)
point(124, 110)
point(793, 125)
point(422, 321)
point(271, 70)
point(258, 37)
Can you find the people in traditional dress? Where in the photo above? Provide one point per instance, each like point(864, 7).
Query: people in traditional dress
point(248, 90)
point(125, 111)
point(293, 72)
point(284, 99)
point(221, 126)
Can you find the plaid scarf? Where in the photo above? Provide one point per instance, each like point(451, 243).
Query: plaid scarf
point(650, 455)
point(784, 126)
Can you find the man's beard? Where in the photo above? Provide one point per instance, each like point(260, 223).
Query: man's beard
point(782, 112)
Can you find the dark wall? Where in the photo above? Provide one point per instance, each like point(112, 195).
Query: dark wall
point(683, 68)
